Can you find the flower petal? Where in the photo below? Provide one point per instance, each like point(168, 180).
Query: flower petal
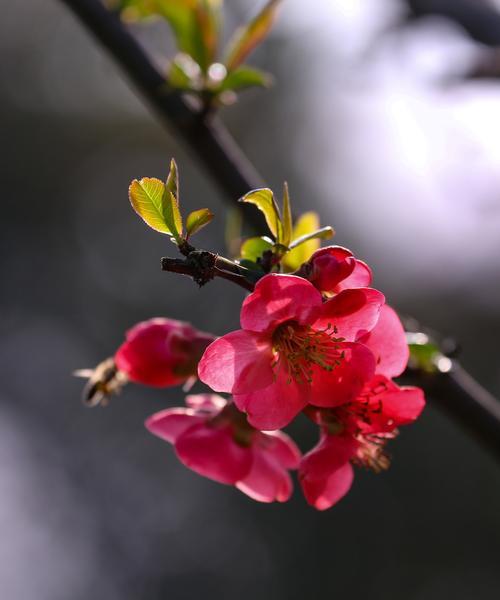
point(360, 277)
point(273, 407)
point(213, 453)
point(323, 494)
point(388, 406)
point(353, 312)
point(238, 362)
point(278, 298)
point(206, 402)
point(404, 406)
point(388, 343)
point(169, 424)
point(346, 380)
point(325, 473)
point(267, 481)
point(281, 447)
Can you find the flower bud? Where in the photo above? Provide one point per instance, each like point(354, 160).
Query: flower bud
point(333, 269)
point(161, 352)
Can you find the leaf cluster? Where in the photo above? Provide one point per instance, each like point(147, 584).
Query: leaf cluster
point(199, 67)
point(287, 247)
point(157, 203)
point(290, 245)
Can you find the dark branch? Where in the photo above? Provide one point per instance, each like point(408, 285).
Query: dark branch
point(478, 18)
point(203, 266)
point(481, 21)
point(465, 400)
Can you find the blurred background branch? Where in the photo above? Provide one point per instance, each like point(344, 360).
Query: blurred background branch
point(465, 400)
point(462, 398)
point(478, 18)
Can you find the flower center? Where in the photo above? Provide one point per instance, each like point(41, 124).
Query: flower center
point(298, 348)
point(243, 433)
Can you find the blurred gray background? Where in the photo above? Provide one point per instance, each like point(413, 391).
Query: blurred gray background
point(373, 125)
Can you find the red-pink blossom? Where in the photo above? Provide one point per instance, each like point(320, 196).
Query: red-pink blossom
point(293, 350)
point(161, 352)
point(334, 268)
point(213, 438)
point(355, 433)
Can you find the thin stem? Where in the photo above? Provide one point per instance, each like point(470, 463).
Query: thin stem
point(465, 400)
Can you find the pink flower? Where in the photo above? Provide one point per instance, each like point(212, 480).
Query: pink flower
point(333, 269)
point(161, 352)
point(355, 433)
point(294, 349)
point(214, 439)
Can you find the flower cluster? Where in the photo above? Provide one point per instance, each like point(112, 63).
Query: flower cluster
point(326, 344)
point(320, 342)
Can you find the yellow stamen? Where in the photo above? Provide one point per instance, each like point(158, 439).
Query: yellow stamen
point(297, 348)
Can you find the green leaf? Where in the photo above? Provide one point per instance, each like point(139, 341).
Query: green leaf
point(247, 37)
point(306, 223)
point(325, 233)
point(194, 24)
point(171, 202)
point(147, 199)
point(197, 220)
point(264, 200)
point(254, 248)
point(244, 77)
point(173, 179)
point(172, 214)
point(208, 17)
point(180, 16)
point(287, 217)
point(133, 10)
point(423, 355)
point(184, 73)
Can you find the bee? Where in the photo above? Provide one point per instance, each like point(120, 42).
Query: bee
point(103, 381)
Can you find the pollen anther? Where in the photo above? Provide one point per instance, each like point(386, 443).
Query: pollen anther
point(298, 348)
